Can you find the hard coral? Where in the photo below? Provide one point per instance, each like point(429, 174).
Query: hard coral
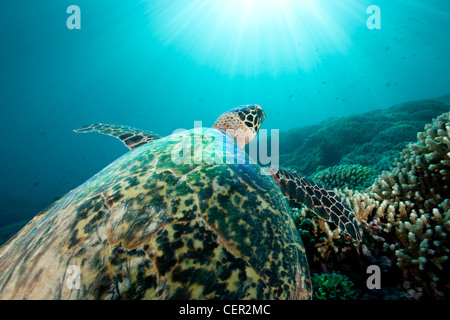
point(415, 198)
point(405, 218)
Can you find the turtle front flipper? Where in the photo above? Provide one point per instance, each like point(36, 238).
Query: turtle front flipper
point(131, 137)
point(325, 203)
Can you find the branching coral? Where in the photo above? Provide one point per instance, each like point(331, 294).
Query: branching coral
point(317, 234)
point(405, 217)
point(353, 176)
point(415, 197)
point(326, 243)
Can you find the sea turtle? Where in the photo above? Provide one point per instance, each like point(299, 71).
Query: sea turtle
point(171, 219)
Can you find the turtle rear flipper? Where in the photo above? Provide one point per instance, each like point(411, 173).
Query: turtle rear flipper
point(325, 203)
point(131, 137)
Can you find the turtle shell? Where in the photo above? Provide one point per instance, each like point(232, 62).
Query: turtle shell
point(178, 218)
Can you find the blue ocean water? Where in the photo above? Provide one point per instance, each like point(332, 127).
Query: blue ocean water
point(160, 65)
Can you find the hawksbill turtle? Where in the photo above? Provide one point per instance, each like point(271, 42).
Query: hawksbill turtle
point(150, 227)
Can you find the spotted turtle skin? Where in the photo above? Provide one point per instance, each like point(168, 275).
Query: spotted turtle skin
point(146, 227)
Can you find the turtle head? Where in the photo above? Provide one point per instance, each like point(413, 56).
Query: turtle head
point(241, 123)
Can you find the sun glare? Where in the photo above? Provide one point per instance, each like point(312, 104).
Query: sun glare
point(252, 36)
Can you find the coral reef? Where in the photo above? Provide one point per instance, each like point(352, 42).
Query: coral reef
point(372, 139)
point(333, 286)
point(326, 247)
point(405, 218)
point(353, 176)
point(318, 236)
point(415, 196)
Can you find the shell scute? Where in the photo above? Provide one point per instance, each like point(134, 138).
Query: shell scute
point(146, 228)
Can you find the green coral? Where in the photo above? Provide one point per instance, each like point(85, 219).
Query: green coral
point(333, 286)
point(313, 230)
point(325, 246)
point(353, 176)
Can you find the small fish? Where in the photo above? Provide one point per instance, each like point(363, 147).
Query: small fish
point(291, 96)
point(36, 184)
point(307, 139)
